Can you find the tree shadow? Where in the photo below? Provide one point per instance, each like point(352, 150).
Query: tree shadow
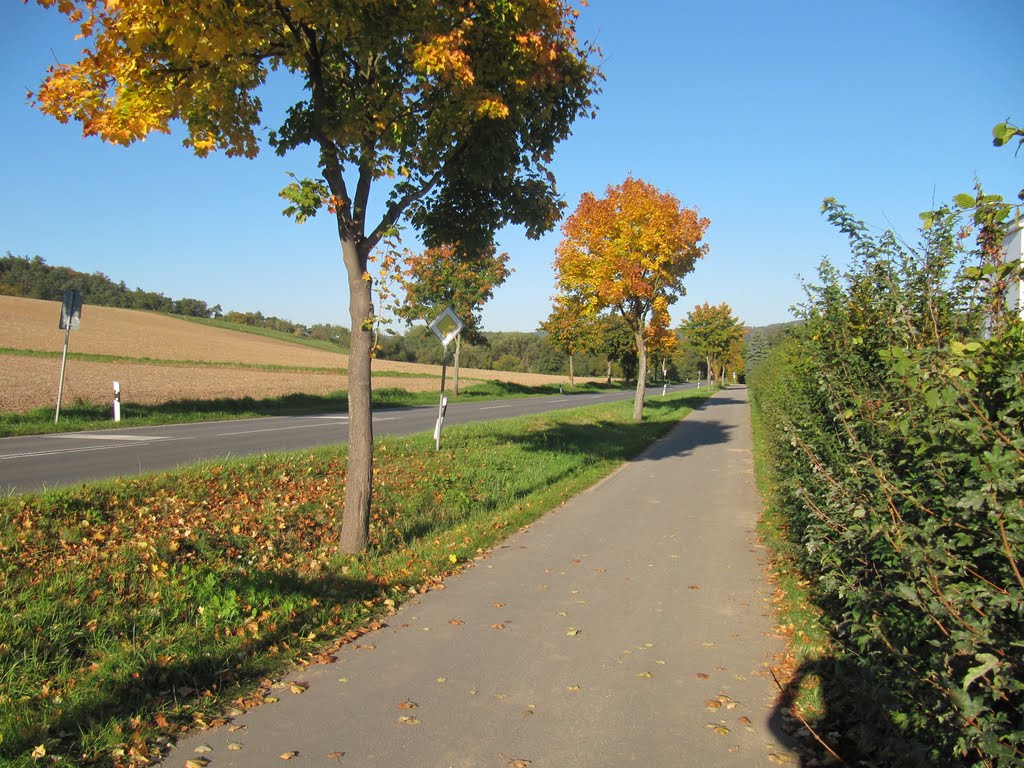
point(852, 727)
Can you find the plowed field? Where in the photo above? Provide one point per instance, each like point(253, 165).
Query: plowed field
point(31, 382)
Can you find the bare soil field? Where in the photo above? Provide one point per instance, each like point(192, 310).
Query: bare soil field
point(31, 382)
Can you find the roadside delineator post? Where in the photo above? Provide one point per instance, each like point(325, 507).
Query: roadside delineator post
point(70, 318)
point(117, 401)
point(446, 327)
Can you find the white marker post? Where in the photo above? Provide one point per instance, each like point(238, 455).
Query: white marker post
point(446, 327)
point(117, 401)
point(70, 317)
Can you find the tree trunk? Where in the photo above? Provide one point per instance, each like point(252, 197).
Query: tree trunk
point(641, 376)
point(609, 379)
point(355, 522)
point(455, 377)
point(572, 373)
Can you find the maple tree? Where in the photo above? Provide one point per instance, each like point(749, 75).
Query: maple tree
point(453, 106)
point(445, 277)
point(628, 253)
point(715, 334)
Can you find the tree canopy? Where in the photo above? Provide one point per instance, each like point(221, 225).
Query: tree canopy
point(715, 334)
point(628, 253)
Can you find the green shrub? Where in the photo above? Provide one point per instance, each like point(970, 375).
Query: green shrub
point(895, 419)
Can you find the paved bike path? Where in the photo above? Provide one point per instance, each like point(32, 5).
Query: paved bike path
point(631, 626)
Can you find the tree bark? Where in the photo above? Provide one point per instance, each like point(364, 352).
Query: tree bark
point(641, 376)
point(572, 373)
point(609, 379)
point(355, 522)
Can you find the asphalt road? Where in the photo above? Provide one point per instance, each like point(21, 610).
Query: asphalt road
point(51, 461)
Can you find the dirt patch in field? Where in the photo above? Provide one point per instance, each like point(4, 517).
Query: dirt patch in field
point(31, 382)
point(31, 324)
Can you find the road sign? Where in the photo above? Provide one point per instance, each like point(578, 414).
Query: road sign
point(446, 326)
point(71, 310)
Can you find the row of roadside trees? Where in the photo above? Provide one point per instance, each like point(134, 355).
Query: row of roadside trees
point(450, 111)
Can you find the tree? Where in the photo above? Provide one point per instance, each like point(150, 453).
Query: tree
point(625, 252)
point(716, 335)
point(455, 107)
point(443, 276)
point(570, 330)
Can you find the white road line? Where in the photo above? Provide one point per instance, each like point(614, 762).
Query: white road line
point(118, 438)
point(58, 451)
point(494, 407)
point(272, 429)
point(385, 418)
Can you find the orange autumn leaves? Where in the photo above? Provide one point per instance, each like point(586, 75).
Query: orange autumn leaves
point(627, 253)
point(147, 63)
point(628, 248)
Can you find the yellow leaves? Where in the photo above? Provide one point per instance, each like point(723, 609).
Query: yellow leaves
point(444, 57)
point(633, 246)
point(493, 108)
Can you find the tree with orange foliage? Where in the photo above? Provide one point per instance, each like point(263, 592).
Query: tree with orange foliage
point(453, 107)
point(628, 253)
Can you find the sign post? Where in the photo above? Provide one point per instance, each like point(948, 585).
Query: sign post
point(446, 327)
point(70, 317)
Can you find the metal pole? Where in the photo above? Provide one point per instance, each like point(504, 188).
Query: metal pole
point(440, 403)
point(63, 362)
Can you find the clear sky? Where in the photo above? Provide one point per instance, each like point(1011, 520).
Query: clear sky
point(751, 111)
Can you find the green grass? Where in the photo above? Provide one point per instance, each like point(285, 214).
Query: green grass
point(131, 609)
point(78, 416)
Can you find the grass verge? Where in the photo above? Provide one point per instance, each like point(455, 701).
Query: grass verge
point(79, 416)
point(135, 609)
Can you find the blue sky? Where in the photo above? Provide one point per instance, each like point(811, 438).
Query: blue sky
point(753, 112)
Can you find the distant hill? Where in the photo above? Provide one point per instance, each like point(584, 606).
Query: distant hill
point(33, 278)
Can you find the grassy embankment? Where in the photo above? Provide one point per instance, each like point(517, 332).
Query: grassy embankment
point(131, 610)
point(84, 416)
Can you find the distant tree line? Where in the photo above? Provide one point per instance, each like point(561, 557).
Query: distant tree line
point(33, 278)
point(504, 351)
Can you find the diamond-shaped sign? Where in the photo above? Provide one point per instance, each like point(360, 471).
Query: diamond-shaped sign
point(447, 325)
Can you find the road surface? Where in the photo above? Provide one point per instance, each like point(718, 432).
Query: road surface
point(51, 461)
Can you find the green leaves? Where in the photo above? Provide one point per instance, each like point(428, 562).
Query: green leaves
point(1004, 133)
point(306, 196)
point(895, 416)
